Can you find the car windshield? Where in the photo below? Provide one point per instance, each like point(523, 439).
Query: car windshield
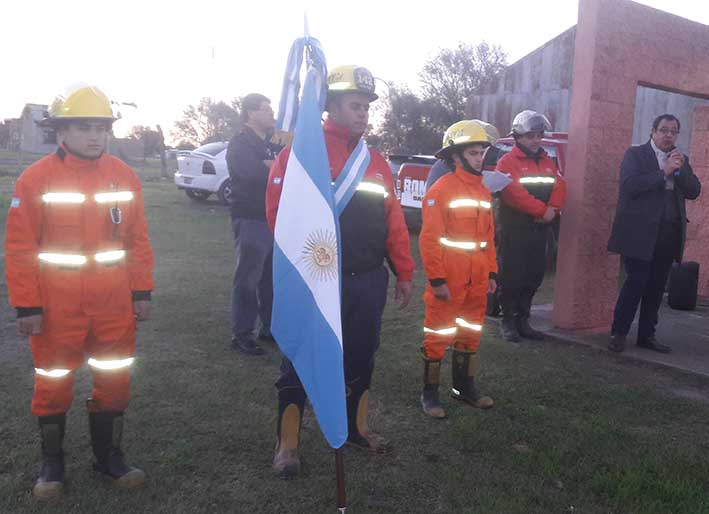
point(211, 148)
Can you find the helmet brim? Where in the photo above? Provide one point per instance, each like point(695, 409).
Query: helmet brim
point(446, 151)
point(52, 122)
point(371, 96)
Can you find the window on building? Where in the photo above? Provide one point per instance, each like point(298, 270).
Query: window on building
point(50, 136)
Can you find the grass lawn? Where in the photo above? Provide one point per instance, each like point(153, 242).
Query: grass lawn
point(574, 430)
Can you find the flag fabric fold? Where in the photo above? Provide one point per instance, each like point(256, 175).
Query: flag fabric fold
point(289, 105)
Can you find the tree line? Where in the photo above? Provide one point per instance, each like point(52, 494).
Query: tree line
point(412, 122)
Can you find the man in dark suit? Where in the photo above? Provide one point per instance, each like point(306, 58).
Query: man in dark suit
point(649, 228)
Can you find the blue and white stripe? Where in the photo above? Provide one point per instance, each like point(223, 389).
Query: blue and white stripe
point(306, 269)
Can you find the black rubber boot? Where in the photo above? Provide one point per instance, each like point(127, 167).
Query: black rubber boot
point(106, 434)
point(286, 462)
point(524, 311)
point(360, 436)
point(508, 326)
point(464, 367)
point(429, 397)
point(50, 482)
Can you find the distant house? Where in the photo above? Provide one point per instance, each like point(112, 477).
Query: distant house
point(33, 138)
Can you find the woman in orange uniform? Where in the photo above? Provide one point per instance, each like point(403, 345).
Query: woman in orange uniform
point(458, 253)
point(79, 273)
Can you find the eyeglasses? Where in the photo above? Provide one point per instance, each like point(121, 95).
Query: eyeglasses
point(665, 131)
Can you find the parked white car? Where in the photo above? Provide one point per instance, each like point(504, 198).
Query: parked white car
point(203, 172)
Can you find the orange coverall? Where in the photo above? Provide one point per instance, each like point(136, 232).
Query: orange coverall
point(77, 250)
point(458, 249)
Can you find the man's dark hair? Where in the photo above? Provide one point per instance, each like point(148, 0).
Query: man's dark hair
point(668, 117)
point(251, 102)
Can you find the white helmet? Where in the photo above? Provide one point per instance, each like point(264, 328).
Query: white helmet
point(530, 121)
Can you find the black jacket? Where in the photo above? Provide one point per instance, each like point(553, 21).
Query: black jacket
point(249, 175)
point(641, 203)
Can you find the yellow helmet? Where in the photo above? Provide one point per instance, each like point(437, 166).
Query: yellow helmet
point(351, 79)
point(82, 102)
point(491, 130)
point(463, 133)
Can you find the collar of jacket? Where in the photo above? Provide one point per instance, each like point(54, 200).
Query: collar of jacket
point(74, 161)
point(523, 153)
point(342, 134)
point(467, 177)
point(252, 137)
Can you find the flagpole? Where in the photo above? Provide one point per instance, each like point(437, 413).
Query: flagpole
point(340, 473)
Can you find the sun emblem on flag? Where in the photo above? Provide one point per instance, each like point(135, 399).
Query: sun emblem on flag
point(320, 255)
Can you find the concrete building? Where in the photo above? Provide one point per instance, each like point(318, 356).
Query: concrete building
point(542, 81)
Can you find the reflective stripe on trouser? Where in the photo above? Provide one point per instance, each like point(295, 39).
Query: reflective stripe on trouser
point(69, 339)
point(465, 312)
point(363, 299)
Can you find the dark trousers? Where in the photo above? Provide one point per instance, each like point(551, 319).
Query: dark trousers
point(522, 259)
point(645, 285)
point(363, 299)
point(252, 290)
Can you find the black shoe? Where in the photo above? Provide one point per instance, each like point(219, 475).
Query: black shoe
point(106, 434)
point(653, 344)
point(526, 331)
point(616, 343)
point(246, 344)
point(508, 327)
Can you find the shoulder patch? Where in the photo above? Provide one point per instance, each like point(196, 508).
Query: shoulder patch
point(276, 180)
point(431, 202)
point(14, 203)
point(379, 176)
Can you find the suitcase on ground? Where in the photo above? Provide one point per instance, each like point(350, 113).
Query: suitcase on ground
point(684, 279)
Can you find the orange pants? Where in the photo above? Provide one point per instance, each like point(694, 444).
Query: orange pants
point(457, 322)
point(66, 342)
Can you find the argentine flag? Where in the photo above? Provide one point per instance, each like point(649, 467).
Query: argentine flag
point(306, 269)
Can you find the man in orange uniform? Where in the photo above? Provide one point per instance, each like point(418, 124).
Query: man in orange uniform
point(458, 253)
point(528, 207)
point(79, 273)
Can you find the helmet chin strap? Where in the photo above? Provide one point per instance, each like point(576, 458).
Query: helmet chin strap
point(466, 165)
